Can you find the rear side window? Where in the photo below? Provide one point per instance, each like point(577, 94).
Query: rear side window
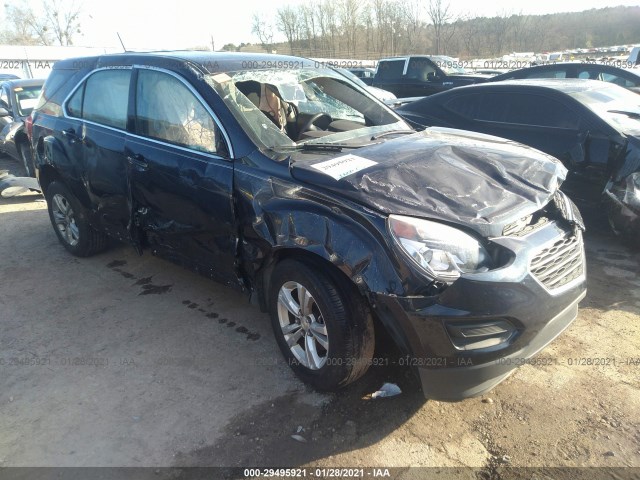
point(467, 106)
point(526, 109)
point(390, 69)
point(167, 110)
point(103, 98)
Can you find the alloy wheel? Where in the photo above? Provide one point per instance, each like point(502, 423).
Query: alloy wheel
point(64, 219)
point(303, 325)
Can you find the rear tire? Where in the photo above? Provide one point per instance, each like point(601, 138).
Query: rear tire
point(27, 159)
point(322, 325)
point(71, 224)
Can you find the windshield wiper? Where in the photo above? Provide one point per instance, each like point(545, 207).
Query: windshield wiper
point(391, 132)
point(624, 112)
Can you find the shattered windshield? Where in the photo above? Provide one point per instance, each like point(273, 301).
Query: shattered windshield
point(290, 108)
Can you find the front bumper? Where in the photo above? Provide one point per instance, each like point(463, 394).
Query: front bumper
point(514, 295)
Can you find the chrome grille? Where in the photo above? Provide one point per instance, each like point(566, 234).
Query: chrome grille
point(560, 263)
point(524, 226)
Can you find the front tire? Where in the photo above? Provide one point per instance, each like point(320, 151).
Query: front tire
point(322, 325)
point(71, 224)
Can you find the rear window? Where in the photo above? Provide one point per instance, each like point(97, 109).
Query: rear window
point(50, 101)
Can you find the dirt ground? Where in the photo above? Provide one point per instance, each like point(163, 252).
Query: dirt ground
point(131, 361)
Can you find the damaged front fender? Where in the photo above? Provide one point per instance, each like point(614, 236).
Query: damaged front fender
point(624, 197)
point(622, 192)
point(284, 218)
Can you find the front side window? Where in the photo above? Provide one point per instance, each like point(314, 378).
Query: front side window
point(421, 69)
point(103, 98)
point(167, 110)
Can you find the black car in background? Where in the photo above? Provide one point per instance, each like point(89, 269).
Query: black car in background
point(17, 99)
point(627, 78)
point(422, 75)
point(592, 127)
point(293, 184)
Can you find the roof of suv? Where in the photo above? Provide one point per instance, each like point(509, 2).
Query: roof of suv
point(211, 62)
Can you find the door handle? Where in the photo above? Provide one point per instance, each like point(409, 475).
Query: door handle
point(138, 160)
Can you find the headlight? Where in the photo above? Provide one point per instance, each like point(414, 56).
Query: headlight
point(443, 252)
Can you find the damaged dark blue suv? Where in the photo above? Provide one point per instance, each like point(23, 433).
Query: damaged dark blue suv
point(285, 180)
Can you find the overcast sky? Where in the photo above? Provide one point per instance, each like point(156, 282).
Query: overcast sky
point(189, 23)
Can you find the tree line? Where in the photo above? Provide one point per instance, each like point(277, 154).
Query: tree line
point(55, 22)
point(370, 29)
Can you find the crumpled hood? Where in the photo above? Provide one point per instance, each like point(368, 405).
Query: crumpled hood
point(471, 179)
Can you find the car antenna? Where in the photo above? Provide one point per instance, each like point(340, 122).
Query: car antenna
point(121, 42)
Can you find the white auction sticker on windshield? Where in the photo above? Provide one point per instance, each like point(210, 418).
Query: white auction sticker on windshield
point(344, 166)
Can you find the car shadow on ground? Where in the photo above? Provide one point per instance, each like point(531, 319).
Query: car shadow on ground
point(263, 436)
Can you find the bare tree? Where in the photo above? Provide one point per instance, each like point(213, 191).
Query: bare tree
point(63, 19)
point(59, 24)
point(442, 18)
point(349, 16)
point(263, 30)
point(287, 23)
point(25, 28)
point(413, 20)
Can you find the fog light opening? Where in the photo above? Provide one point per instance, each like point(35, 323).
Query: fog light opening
point(476, 336)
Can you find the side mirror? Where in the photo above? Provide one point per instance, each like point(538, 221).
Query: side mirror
point(4, 112)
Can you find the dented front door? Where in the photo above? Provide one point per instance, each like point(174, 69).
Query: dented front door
point(181, 177)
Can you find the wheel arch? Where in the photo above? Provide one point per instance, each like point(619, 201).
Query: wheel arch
point(341, 244)
point(48, 155)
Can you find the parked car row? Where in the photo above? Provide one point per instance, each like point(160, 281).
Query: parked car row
point(17, 99)
point(422, 75)
point(303, 190)
point(627, 78)
point(592, 127)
